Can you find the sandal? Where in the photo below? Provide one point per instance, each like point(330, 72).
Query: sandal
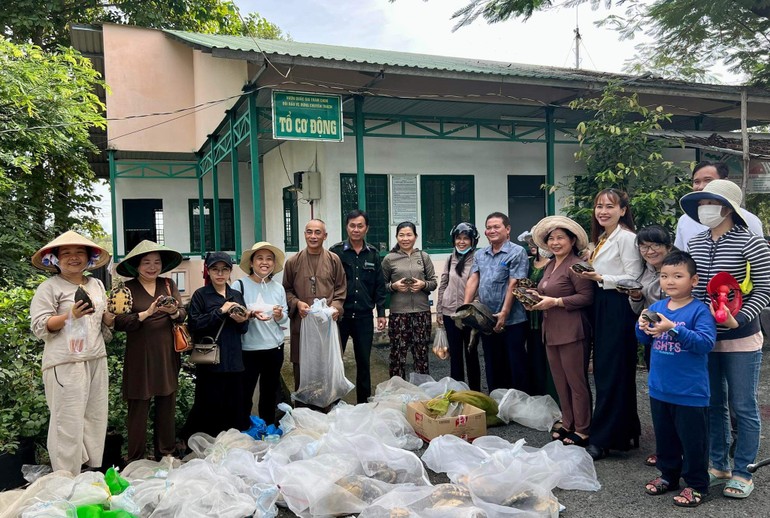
point(651, 460)
point(715, 480)
point(691, 498)
point(575, 440)
point(558, 432)
point(738, 488)
point(658, 486)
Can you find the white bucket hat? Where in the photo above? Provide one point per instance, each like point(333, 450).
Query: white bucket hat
point(724, 191)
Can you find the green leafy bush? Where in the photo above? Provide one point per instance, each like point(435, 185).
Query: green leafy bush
point(22, 398)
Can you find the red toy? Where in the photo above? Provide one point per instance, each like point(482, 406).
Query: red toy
point(725, 294)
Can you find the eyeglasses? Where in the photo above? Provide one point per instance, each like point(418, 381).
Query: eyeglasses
point(312, 284)
point(652, 247)
point(220, 271)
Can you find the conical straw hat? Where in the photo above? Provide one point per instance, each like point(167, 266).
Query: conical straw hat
point(128, 266)
point(71, 238)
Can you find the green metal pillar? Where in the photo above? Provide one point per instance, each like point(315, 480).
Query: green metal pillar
point(256, 192)
point(201, 209)
point(236, 184)
point(550, 176)
point(215, 204)
point(358, 116)
point(113, 202)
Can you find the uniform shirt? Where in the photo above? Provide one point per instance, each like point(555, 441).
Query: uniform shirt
point(366, 284)
point(495, 269)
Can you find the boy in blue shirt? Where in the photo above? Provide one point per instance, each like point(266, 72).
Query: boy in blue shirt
point(681, 336)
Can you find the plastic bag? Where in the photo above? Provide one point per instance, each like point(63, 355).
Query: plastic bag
point(441, 501)
point(322, 373)
point(441, 344)
point(32, 472)
point(538, 412)
point(388, 425)
point(76, 331)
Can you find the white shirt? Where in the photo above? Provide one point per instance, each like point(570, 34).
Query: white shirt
point(687, 228)
point(618, 258)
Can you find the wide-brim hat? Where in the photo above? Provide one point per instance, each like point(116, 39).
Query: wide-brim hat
point(725, 192)
point(168, 257)
point(550, 223)
point(246, 256)
point(70, 238)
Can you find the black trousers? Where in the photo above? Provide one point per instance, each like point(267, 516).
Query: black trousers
point(505, 358)
point(263, 367)
point(460, 357)
point(682, 438)
point(217, 406)
point(361, 330)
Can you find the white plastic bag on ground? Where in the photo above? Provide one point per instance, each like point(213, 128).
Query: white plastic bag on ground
point(538, 412)
point(322, 372)
point(388, 425)
point(396, 393)
point(441, 501)
point(436, 388)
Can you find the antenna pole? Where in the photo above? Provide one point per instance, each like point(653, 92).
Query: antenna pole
point(578, 39)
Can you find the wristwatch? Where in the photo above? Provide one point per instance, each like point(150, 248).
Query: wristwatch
point(674, 333)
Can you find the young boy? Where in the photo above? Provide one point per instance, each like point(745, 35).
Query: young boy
point(679, 382)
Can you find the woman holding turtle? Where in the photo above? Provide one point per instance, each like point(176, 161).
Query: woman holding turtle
point(68, 312)
point(151, 366)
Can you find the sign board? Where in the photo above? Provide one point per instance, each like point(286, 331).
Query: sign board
point(305, 116)
point(403, 198)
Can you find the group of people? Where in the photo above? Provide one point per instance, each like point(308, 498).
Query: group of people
point(583, 311)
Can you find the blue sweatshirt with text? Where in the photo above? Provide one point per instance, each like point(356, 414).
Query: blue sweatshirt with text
point(679, 361)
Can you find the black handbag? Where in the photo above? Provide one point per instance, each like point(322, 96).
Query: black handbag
point(206, 352)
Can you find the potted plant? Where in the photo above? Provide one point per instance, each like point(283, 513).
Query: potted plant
point(23, 410)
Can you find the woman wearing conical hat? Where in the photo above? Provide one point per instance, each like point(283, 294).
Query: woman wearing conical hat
point(151, 366)
point(74, 356)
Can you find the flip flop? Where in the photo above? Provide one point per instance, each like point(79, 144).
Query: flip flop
point(658, 486)
point(575, 440)
point(740, 488)
point(651, 460)
point(716, 481)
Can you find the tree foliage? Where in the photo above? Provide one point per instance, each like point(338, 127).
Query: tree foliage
point(687, 36)
point(618, 152)
point(47, 23)
point(47, 105)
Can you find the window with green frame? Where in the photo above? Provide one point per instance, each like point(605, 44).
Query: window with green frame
point(226, 224)
point(376, 206)
point(290, 232)
point(446, 201)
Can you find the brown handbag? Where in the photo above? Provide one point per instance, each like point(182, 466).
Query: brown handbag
point(182, 340)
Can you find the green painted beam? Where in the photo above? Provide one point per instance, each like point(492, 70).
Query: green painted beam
point(358, 101)
point(256, 190)
point(215, 201)
point(550, 175)
point(113, 201)
point(234, 163)
point(201, 214)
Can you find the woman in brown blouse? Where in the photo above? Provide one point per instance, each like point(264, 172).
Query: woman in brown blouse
point(151, 367)
point(566, 331)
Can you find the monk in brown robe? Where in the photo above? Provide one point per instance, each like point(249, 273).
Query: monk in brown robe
point(313, 273)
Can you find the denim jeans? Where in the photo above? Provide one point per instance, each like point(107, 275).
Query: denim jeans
point(734, 379)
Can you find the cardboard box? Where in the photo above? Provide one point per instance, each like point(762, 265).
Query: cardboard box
point(470, 424)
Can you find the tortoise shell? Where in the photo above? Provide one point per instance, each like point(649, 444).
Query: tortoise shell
point(238, 310)
point(650, 316)
point(361, 487)
point(581, 267)
point(526, 298)
point(82, 295)
point(120, 300)
point(525, 283)
point(166, 301)
point(626, 285)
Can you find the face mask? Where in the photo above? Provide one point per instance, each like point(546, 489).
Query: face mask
point(710, 215)
point(544, 253)
point(463, 252)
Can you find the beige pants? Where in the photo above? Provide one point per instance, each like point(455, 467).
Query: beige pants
point(76, 394)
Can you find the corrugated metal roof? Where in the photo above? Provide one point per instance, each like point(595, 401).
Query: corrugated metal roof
point(389, 58)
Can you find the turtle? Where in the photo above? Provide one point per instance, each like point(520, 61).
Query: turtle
point(361, 487)
point(476, 316)
point(450, 495)
point(628, 285)
point(526, 282)
point(238, 310)
point(82, 295)
point(650, 316)
point(119, 300)
point(581, 267)
point(379, 470)
point(526, 298)
point(529, 499)
point(166, 301)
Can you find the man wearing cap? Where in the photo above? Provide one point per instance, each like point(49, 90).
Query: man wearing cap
point(366, 289)
point(313, 273)
point(495, 271)
point(687, 228)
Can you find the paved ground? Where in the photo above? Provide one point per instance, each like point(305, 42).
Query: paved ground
point(622, 475)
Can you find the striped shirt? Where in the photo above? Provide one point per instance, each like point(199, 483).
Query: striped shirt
point(729, 254)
